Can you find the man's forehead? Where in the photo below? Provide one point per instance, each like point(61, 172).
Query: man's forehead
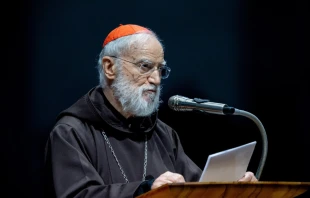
point(149, 47)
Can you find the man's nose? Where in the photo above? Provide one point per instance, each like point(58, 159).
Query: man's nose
point(155, 77)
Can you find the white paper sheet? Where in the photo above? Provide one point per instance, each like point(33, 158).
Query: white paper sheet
point(229, 165)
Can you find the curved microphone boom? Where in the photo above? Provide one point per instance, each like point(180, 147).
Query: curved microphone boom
point(181, 103)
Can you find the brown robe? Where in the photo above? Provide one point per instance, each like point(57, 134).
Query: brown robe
point(79, 163)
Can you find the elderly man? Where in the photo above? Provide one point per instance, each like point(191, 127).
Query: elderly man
point(110, 143)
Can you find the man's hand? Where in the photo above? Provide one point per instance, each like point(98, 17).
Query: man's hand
point(248, 177)
point(167, 178)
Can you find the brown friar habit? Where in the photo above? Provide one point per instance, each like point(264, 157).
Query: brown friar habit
point(79, 162)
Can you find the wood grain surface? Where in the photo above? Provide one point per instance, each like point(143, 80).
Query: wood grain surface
point(229, 190)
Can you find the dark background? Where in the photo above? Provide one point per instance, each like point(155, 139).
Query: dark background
point(251, 55)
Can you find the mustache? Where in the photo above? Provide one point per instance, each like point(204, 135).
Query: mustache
point(150, 88)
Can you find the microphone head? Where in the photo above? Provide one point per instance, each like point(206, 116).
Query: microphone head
point(181, 103)
point(174, 102)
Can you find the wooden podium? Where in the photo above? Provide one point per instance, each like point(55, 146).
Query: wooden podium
point(229, 190)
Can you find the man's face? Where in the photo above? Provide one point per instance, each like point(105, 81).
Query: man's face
point(139, 93)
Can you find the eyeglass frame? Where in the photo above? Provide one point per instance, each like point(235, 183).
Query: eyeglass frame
point(139, 65)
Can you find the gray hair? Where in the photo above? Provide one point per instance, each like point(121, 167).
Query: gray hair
point(120, 47)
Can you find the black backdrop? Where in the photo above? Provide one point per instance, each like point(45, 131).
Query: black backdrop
point(251, 55)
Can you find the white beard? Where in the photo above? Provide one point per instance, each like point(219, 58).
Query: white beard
point(136, 100)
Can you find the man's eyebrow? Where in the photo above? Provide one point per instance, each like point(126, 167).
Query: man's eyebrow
point(149, 61)
point(145, 60)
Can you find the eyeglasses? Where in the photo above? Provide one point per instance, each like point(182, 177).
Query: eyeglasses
point(147, 67)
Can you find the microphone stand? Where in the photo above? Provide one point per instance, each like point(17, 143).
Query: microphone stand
point(264, 138)
point(181, 103)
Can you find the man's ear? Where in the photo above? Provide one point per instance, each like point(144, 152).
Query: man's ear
point(108, 67)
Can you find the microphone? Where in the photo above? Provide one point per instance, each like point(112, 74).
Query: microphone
point(181, 103)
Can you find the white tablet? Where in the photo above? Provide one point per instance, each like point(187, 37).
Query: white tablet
point(229, 165)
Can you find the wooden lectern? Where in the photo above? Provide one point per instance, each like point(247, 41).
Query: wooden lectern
point(229, 190)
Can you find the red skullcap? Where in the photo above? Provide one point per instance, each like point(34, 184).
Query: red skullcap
point(124, 30)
